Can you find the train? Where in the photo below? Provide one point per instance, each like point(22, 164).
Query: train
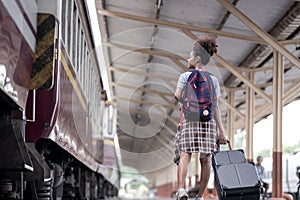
point(57, 126)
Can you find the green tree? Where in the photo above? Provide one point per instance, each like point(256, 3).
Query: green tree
point(285, 150)
point(290, 149)
point(264, 153)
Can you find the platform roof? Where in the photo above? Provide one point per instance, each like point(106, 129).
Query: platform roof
point(146, 43)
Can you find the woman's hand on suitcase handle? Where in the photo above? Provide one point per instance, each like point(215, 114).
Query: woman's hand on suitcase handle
point(222, 138)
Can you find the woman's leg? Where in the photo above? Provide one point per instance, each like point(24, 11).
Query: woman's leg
point(182, 168)
point(205, 173)
point(287, 196)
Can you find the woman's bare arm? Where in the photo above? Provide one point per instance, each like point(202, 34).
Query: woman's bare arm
point(217, 116)
point(178, 94)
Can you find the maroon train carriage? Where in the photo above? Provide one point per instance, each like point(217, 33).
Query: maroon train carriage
point(56, 133)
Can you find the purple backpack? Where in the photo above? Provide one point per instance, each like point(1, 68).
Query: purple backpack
point(199, 97)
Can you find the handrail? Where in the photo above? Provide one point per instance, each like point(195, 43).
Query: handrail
point(57, 63)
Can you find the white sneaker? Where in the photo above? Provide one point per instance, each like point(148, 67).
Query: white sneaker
point(181, 194)
point(199, 198)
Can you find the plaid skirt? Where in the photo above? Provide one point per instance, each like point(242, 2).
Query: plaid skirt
point(196, 137)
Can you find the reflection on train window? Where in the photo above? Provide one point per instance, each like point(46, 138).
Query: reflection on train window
point(2, 75)
point(5, 83)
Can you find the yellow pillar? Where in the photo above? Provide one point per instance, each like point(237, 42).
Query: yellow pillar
point(230, 118)
point(249, 118)
point(277, 124)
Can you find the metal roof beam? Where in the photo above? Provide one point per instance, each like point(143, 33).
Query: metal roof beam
point(144, 50)
point(268, 68)
point(291, 41)
point(171, 103)
point(164, 143)
point(259, 31)
point(136, 101)
point(285, 28)
point(174, 57)
point(173, 120)
point(178, 63)
point(167, 128)
point(141, 73)
point(266, 109)
point(242, 78)
point(185, 27)
point(146, 113)
point(293, 91)
point(263, 85)
point(106, 12)
point(232, 108)
point(134, 87)
point(288, 97)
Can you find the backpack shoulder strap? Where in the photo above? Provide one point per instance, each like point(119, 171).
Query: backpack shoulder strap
point(210, 85)
point(192, 74)
point(209, 79)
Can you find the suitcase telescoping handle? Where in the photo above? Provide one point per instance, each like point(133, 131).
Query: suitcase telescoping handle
point(228, 143)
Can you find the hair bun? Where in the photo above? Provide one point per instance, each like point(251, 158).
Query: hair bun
point(209, 44)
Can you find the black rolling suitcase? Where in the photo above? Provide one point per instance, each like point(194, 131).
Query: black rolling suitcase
point(235, 178)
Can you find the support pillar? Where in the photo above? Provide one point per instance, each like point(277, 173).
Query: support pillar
point(230, 118)
point(277, 124)
point(249, 118)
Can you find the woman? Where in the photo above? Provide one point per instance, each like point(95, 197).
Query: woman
point(198, 137)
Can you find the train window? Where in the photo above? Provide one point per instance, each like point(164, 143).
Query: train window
point(87, 75)
point(78, 45)
point(90, 78)
point(63, 20)
point(85, 69)
point(88, 82)
point(91, 81)
point(74, 36)
point(69, 27)
point(84, 79)
point(96, 92)
point(81, 60)
point(81, 69)
point(93, 88)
